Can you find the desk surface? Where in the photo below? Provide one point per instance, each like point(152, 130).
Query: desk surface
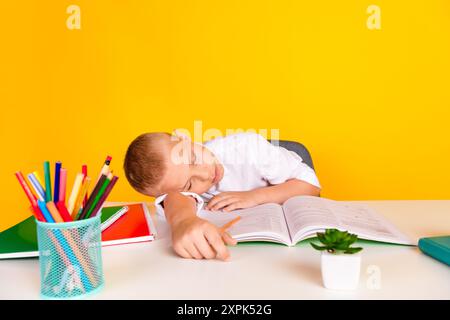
point(152, 271)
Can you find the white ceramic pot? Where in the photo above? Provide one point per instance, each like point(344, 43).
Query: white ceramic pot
point(340, 271)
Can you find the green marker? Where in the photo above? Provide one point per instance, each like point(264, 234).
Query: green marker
point(48, 182)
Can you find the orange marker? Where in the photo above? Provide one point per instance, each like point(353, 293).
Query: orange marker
point(54, 212)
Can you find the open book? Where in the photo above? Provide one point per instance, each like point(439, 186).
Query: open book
point(301, 217)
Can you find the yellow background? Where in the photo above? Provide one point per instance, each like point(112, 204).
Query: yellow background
point(373, 106)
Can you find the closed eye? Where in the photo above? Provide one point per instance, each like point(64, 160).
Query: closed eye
point(188, 185)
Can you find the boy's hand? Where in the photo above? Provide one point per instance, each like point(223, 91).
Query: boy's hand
point(197, 238)
point(228, 201)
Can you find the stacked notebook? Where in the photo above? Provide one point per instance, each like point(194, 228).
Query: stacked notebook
point(121, 224)
point(437, 248)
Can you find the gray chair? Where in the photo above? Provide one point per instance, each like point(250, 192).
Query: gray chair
point(298, 148)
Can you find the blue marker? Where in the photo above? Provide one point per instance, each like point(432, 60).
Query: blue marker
point(48, 217)
point(56, 182)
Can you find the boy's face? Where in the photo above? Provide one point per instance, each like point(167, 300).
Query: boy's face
point(189, 167)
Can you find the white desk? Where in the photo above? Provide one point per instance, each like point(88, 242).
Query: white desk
point(153, 271)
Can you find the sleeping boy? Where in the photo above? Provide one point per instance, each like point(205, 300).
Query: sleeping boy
point(228, 173)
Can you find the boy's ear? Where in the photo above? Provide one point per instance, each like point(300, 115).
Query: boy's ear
point(182, 134)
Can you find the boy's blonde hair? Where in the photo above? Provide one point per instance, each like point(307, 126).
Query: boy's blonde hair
point(144, 163)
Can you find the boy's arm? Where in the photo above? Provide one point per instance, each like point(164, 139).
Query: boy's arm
point(279, 193)
point(193, 237)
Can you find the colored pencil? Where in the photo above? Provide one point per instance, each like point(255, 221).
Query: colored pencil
point(73, 252)
point(105, 168)
point(93, 195)
point(38, 177)
point(85, 172)
point(40, 192)
point(62, 185)
point(80, 198)
point(230, 223)
point(62, 253)
point(54, 212)
point(56, 182)
point(74, 194)
point(48, 182)
point(26, 188)
point(37, 213)
point(104, 196)
point(47, 216)
point(81, 258)
point(97, 198)
point(116, 216)
point(64, 212)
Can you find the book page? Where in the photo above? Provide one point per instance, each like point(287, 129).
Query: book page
point(306, 215)
point(264, 222)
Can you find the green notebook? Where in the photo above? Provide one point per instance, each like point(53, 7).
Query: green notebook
point(437, 248)
point(20, 241)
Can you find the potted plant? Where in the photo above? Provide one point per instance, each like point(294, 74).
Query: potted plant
point(340, 263)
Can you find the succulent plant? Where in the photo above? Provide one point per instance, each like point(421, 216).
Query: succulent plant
point(335, 241)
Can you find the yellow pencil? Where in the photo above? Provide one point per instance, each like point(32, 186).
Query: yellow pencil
point(38, 177)
point(80, 197)
point(74, 194)
point(54, 211)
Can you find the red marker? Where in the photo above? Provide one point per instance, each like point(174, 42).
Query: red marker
point(37, 213)
point(65, 215)
point(30, 195)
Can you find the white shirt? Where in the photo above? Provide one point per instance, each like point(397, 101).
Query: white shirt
point(251, 162)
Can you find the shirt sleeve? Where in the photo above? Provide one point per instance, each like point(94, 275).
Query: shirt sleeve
point(277, 164)
point(159, 202)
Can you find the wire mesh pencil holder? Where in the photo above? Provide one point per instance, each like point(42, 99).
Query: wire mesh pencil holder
point(70, 258)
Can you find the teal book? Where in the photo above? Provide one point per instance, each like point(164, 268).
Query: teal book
point(437, 248)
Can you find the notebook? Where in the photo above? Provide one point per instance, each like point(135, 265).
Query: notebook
point(135, 225)
point(301, 217)
point(437, 248)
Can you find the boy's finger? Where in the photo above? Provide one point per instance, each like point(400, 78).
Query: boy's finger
point(183, 253)
point(229, 239)
point(223, 203)
point(216, 199)
point(216, 241)
point(205, 249)
point(232, 206)
point(193, 251)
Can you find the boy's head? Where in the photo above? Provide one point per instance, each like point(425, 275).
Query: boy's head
point(157, 163)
